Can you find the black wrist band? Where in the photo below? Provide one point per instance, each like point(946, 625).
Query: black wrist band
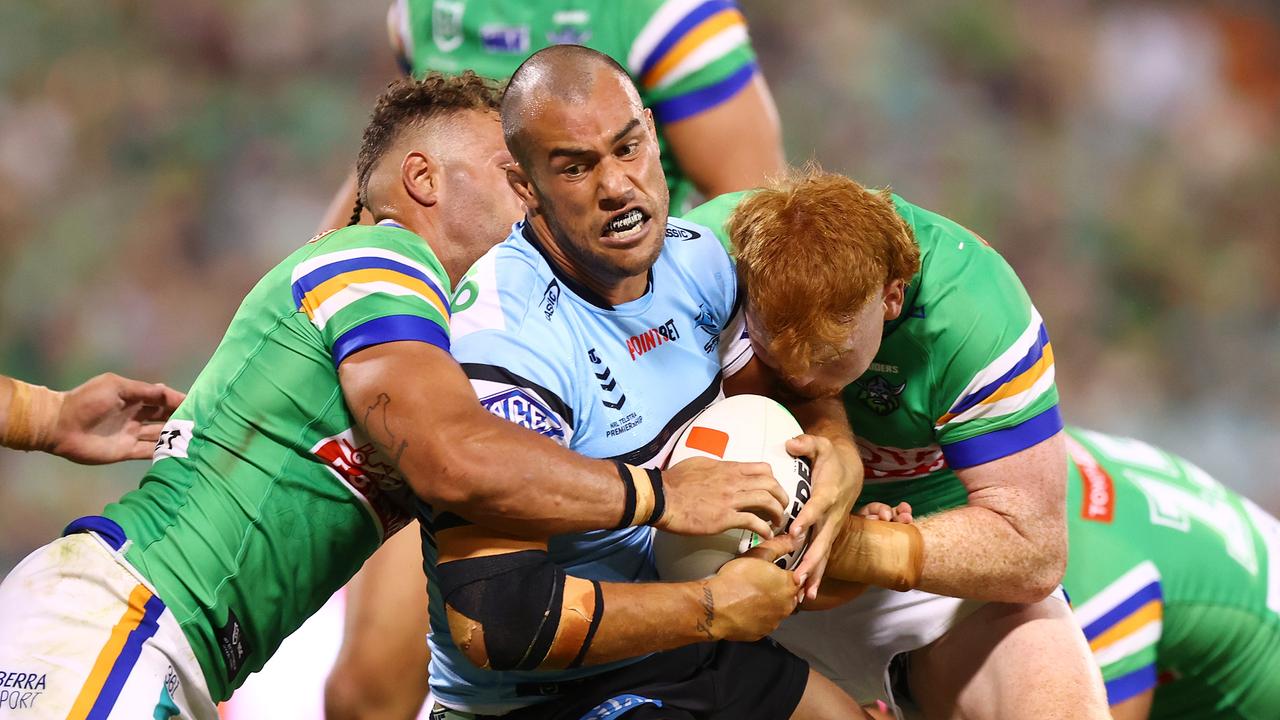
point(659, 498)
point(629, 501)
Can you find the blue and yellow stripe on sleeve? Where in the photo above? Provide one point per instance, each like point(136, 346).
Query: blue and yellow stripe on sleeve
point(1123, 623)
point(368, 296)
point(1008, 387)
point(683, 39)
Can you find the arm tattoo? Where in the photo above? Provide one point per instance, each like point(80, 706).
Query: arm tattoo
point(708, 612)
point(378, 425)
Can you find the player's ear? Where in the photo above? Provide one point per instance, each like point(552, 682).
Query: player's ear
point(894, 295)
point(421, 178)
point(519, 181)
point(648, 117)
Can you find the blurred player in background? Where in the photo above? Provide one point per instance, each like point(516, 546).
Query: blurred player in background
point(1176, 582)
point(718, 131)
point(331, 396)
point(946, 373)
point(691, 60)
point(107, 419)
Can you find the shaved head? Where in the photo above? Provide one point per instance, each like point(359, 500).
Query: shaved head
point(561, 74)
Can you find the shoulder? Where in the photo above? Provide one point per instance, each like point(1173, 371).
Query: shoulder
point(675, 38)
point(714, 215)
point(369, 253)
point(501, 289)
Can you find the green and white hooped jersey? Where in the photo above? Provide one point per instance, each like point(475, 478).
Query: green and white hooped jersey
point(1175, 580)
point(964, 375)
point(685, 56)
point(265, 497)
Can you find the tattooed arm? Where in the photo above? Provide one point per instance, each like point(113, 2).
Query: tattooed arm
point(417, 406)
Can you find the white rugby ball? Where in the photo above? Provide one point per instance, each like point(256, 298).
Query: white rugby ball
point(742, 428)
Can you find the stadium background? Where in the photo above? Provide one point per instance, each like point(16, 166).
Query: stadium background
point(156, 158)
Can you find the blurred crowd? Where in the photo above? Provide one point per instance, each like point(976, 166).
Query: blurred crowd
point(157, 157)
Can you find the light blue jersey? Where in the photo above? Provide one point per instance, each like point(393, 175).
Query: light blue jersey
point(608, 382)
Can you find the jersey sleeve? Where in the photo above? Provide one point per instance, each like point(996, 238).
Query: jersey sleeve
point(1122, 622)
point(706, 260)
point(369, 286)
point(992, 367)
point(689, 55)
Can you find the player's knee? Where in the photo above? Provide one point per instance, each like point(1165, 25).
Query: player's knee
point(345, 698)
point(355, 691)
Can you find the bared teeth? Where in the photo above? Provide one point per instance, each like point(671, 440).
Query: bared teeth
point(625, 222)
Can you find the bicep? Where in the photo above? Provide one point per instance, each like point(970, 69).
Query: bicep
point(733, 146)
point(1034, 477)
point(395, 386)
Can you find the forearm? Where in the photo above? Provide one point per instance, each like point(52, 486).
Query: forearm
point(980, 553)
point(824, 417)
point(652, 617)
point(416, 405)
point(501, 476)
point(28, 415)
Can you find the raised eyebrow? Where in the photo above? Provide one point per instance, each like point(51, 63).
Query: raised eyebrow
point(635, 121)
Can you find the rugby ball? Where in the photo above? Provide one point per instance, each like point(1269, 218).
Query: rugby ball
point(742, 428)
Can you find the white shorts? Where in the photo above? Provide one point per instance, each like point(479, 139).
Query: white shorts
point(84, 637)
point(853, 644)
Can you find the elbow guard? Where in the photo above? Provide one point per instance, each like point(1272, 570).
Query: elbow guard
point(877, 552)
point(527, 613)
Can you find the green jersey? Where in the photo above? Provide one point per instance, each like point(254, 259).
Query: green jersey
point(1175, 580)
point(685, 56)
point(963, 376)
point(265, 497)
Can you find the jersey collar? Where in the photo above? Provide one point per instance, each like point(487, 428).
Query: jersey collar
point(576, 287)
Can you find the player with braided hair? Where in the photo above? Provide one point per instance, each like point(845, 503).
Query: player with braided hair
point(330, 402)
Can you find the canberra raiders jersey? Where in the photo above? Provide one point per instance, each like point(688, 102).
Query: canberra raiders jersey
point(685, 56)
point(264, 497)
point(964, 375)
point(1175, 580)
point(606, 381)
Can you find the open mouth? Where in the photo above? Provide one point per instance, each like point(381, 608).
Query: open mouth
point(626, 225)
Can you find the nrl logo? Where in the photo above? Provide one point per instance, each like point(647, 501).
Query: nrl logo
point(879, 394)
point(446, 24)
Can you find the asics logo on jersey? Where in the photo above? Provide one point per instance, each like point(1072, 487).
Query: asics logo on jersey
point(526, 410)
point(640, 344)
point(550, 297)
point(678, 233)
point(879, 394)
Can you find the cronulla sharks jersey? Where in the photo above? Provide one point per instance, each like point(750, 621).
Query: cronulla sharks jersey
point(607, 381)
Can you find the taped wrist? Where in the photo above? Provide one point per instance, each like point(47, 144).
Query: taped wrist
point(32, 416)
point(532, 615)
point(644, 501)
point(877, 552)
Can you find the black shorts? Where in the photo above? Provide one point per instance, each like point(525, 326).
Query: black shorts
point(709, 681)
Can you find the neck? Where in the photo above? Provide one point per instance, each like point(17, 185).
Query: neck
point(451, 257)
point(614, 290)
